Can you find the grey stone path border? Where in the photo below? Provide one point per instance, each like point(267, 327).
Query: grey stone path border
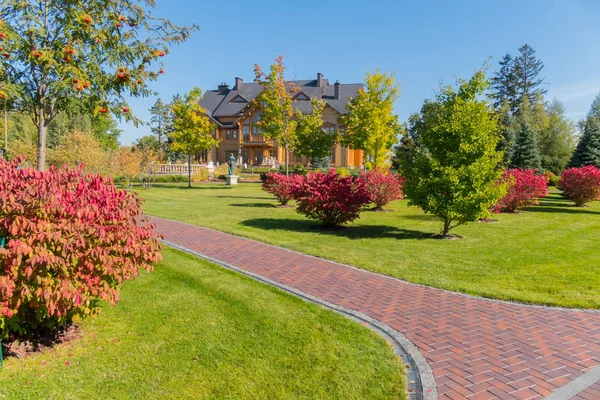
point(576, 386)
point(420, 378)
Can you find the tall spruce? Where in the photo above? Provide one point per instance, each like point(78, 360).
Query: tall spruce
point(504, 83)
point(526, 70)
point(160, 123)
point(526, 154)
point(587, 151)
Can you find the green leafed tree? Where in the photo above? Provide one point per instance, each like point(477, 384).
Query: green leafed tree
point(371, 124)
point(100, 51)
point(312, 140)
point(526, 154)
point(160, 123)
point(454, 170)
point(277, 120)
point(557, 141)
point(192, 129)
point(587, 151)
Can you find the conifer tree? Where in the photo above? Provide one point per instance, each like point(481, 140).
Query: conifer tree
point(526, 70)
point(587, 151)
point(526, 154)
point(160, 123)
point(503, 83)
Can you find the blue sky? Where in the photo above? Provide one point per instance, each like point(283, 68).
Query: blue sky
point(424, 42)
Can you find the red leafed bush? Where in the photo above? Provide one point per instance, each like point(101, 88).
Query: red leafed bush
point(332, 199)
point(280, 185)
point(383, 186)
point(72, 239)
point(582, 185)
point(526, 187)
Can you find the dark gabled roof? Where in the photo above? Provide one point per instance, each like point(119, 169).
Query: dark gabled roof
point(218, 103)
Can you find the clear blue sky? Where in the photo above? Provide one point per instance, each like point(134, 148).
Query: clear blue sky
point(424, 42)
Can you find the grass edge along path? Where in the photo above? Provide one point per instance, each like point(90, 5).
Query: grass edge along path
point(192, 329)
point(543, 255)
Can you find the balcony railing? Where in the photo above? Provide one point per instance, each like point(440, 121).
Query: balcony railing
point(175, 169)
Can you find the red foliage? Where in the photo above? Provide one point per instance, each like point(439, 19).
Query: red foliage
point(526, 188)
point(581, 185)
point(280, 186)
point(330, 198)
point(73, 238)
point(383, 186)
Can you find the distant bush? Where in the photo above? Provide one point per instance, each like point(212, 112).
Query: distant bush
point(581, 185)
point(73, 238)
point(330, 198)
point(281, 186)
point(201, 175)
point(526, 187)
point(342, 171)
point(552, 179)
point(383, 186)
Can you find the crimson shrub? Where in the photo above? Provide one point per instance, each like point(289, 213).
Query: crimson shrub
point(280, 186)
point(383, 186)
point(526, 187)
point(581, 185)
point(73, 238)
point(332, 199)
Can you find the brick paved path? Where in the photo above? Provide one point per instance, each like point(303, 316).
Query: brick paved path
point(477, 348)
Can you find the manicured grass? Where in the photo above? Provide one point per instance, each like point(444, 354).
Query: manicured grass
point(193, 330)
point(549, 254)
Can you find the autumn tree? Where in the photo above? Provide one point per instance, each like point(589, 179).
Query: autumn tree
point(192, 129)
point(127, 164)
point(312, 140)
point(102, 51)
point(77, 148)
point(453, 170)
point(277, 120)
point(371, 124)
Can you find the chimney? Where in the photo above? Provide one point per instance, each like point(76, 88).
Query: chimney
point(319, 79)
point(336, 90)
point(239, 82)
point(223, 87)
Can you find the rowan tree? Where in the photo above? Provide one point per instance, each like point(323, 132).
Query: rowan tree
point(371, 124)
point(192, 129)
point(277, 120)
point(99, 50)
point(453, 170)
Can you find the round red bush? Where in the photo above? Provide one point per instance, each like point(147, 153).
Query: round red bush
point(581, 185)
point(332, 199)
point(73, 238)
point(383, 186)
point(280, 185)
point(526, 187)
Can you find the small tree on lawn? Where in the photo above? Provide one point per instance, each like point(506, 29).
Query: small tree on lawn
point(97, 50)
point(454, 171)
point(312, 140)
point(277, 119)
point(370, 122)
point(192, 129)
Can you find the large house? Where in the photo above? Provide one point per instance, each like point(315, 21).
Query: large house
point(235, 115)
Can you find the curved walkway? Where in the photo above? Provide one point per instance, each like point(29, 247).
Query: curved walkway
point(476, 348)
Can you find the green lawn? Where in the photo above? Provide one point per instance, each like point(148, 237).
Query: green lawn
point(193, 330)
point(549, 254)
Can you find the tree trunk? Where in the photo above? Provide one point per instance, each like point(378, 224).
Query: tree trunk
point(42, 134)
point(189, 170)
point(286, 160)
point(447, 222)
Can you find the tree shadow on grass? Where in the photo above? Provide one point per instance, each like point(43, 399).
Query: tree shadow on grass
point(252, 205)
point(564, 209)
point(245, 197)
point(183, 186)
point(350, 231)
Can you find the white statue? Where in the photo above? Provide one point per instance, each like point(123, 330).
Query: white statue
point(210, 164)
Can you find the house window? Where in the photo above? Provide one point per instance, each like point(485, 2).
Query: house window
point(246, 132)
point(342, 130)
point(234, 133)
point(204, 155)
point(273, 154)
point(330, 129)
point(228, 134)
point(238, 99)
point(245, 155)
point(332, 155)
